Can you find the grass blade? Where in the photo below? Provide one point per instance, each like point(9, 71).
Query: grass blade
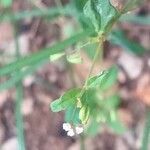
point(141, 20)
point(118, 38)
point(43, 54)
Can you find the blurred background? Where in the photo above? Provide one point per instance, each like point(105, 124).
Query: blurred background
point(28, 26)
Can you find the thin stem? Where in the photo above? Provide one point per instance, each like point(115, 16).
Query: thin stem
point(82, 142)
point(99, 48)
point(146, 134)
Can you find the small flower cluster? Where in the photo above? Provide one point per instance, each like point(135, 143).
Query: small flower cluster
point(72, 131)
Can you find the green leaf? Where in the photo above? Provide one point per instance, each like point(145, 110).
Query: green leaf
point(84, 114)
point(112, 102)
point(96, 80)
point(66, 100)
point(90, 50)
point(117, 126)
point(72, 115)
point(6, 3)
point(93, 128)
point(102, 14)
point(56, 106)
point(119, 38)
point(79, 4)
point(110, 78)
point(56, 56)
point(74, 58)
point(105, 80)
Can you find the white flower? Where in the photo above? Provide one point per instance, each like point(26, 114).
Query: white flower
point(79, 130)
point(67, 126)
point(70, 132)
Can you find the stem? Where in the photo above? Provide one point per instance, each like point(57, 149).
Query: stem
point(99, 48)
point(146, 133)
point(82, 142)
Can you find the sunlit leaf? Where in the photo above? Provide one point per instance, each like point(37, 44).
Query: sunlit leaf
point(74, 58)
point(84, 114)
point(56, 56)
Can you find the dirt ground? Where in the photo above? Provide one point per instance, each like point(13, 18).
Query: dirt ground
point(43, 128)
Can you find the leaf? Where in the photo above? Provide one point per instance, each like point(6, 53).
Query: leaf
point(96, 80)
point(74, 58)
point(6, 3)
point(65, 101)
point(91, 14)
point(117, 126)
point(118, 38)
point(109, 78)
point(89, 98)
point(79, 4)
point(56, 56)
point(84, 114)
point(93, 128)
point(105, 80)
point(102, 14)
point(56, 106)
point(112, 102)
point(72, 115)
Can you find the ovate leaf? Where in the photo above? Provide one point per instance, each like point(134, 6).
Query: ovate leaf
point(56, 106)
point(105, 80)
point(79, 4)
point(102, 14)
point(65, 101)
point(96, 80)
point(110, 78)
